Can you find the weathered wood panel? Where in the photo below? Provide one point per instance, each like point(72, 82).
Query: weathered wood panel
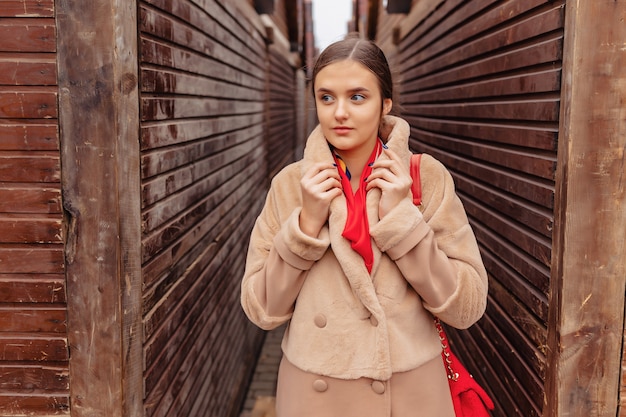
point(26, 8)
point(98, 107)
point(586, 344)
point(480, 85)
point(34, 371)
point(204, 115)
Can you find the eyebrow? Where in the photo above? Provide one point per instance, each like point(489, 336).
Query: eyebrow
point(353, 90)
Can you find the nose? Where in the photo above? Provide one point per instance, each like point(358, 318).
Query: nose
point(341, 110)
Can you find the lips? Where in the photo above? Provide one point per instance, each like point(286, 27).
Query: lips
point(342, 130)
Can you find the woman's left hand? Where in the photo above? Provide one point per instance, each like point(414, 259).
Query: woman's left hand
point(393, 179)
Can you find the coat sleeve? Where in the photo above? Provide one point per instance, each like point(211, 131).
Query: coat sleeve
point(279, 258)
point(437, 251)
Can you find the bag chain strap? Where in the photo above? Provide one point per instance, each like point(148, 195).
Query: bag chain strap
point(454, 376)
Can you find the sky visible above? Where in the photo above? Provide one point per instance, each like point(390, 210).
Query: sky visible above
point(330, 21)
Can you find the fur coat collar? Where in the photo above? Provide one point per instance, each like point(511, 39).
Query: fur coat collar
point(394, 132)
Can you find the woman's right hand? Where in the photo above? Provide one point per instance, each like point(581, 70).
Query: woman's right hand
point(320, 185)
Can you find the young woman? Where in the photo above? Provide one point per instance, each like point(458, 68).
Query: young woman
point(341, 253)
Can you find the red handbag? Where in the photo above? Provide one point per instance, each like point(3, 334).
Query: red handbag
point(469, 398)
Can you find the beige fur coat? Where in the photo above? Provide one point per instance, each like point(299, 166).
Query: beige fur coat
point(344, 322)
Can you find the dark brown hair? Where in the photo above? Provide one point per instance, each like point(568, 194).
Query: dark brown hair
point(360, 50)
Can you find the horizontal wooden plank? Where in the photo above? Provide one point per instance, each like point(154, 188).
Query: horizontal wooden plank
point(29, 135)
point(176, 180)
point(27, 35)
point(181, 285)
point(206, 191)
point(528, 84)
point(530, 327)
point(190, 392)
point(163, 270)
point(539, 109)
point(28, 103)
point(27, 198)
point(243, 22)
point(467, 42)
point(175, 132)
point(12, 404)
point(179, 33)
point(157, 108)
point(172, 82)
point(30, 347)
point(28, 378)
point(27, 68)
point(207, 304)
point(208, 18)
point(32, 288)
point(526, 56)
point(30, 229)
point(39, 167)
point(504, 266)
point(514, 361)
point(190, 155)
point(536, 246)
point(200, 217)
point(541, 136)
point(425, 19)
point(31, 259)
point(33, 319)
point(26, 8)
point(532, 189)
point(171, 343)
point(159, 54)
point(533, 270)
point(542, 165)
point(537, 218)
point(500, 359)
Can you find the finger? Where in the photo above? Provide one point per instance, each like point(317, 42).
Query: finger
point(318, 168)
point(391, 155)
point(330, 183)
point(382, 172)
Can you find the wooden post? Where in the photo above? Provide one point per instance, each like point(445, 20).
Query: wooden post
point(586, 323)
point(99, 119)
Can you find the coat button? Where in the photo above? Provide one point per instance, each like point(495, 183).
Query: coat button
point(378, 387)
point(320, 385)
point(320, 320)
point(374, 321)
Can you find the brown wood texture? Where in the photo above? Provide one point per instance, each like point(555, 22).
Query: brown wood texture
point(206, 107)
point(281, 129)
point(586, 344)
point(479, 83)
point(33, 315)
point(26, 8)
point(98, 96)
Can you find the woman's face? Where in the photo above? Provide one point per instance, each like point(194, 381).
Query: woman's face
point(349, 107)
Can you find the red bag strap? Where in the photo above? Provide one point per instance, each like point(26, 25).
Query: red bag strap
point(416, 188)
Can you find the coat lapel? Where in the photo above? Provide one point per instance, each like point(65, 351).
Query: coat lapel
point(395, 132)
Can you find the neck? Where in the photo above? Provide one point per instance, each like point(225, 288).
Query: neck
point(356, 160)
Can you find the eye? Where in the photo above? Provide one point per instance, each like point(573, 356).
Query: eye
point(358, 97)
point(325, 98)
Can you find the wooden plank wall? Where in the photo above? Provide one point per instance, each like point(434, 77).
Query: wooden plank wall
point(204, 84)
point(33, 326)
point(480, 86)
point(282, 139)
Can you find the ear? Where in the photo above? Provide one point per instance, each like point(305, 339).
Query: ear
point(387, 104)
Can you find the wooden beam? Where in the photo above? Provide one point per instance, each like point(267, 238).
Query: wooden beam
point(586, 320)
point(99, 118)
